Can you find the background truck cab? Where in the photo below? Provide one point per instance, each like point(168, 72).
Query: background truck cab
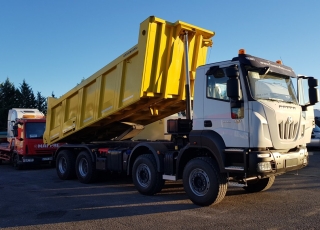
point(24, 143)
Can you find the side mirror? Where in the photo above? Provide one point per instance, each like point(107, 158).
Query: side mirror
point(310, 98)
point(233, 83)
point(233, 89)
point(313, 92)
point(312, 82)
point(313, 96)
point(232, 71)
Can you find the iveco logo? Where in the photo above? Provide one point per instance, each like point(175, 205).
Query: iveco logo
point(286, 107)
point(289, 120)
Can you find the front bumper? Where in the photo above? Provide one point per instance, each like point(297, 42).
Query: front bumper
point(279, 162)
point(35, 159)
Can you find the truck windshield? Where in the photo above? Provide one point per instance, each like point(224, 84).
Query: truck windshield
point(271, 86)
point(35, 130)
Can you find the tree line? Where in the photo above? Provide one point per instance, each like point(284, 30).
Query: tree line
point(19, 97)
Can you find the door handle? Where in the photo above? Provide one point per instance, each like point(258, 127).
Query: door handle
point(207, 123)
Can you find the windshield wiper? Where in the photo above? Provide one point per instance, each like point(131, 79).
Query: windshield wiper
point(277, 99)
point(291, 102)
point(273, 99)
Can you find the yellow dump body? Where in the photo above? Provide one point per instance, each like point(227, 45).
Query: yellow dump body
point(143, 85)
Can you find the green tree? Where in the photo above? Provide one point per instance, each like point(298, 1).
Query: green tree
point(8, 100)
point(26, 96)
point(41, 103)
point(22, 97)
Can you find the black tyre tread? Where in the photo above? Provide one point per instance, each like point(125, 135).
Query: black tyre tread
point(223, 187)
point(261, 185)
point(15, 164)
point(223, 182)
point(92, 175)
point(71, 174)
point(159, 182)
point(221, 177)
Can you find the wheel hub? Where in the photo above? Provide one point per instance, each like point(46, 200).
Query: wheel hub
point(143, 175)
point(62, 165)
point(199, 182)
point(83, 167)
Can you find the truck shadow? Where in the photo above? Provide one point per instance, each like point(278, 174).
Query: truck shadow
point(49, 200)
point(112, 196)
point(28, 167)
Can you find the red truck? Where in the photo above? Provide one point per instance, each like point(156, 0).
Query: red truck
point(24, 143)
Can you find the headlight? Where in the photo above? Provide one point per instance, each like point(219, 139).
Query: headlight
point(264, 167)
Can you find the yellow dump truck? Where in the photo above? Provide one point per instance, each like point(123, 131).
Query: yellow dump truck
point(144, 84)
point(230, 134)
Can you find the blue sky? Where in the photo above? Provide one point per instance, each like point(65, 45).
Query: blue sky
point(54, 44)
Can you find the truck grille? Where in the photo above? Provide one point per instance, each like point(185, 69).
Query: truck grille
point(288, 130)
point(48, 151)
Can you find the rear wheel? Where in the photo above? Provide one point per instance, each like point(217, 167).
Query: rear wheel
point(146, 178)
point(260, 185)
point(65, 165)
point(203, 182)
point(85, 169)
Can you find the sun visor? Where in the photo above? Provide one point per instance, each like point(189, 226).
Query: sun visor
point(246, 59)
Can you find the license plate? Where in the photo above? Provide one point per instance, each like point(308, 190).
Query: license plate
point(291, 162)
point(47, 158)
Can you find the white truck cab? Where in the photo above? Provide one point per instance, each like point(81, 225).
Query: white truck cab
point(252, 105)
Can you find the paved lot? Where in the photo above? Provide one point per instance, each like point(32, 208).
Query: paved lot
point(37, 199)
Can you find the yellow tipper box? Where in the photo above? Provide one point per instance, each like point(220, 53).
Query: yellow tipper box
point(143, 85)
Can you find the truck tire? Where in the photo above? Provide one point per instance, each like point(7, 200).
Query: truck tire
point(85, 168)
point(15, 162)
point(65, 165)
point(146, 178)
point(260, 185)
point(203, 182)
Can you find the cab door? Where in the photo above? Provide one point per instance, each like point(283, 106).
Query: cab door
point(221, 114)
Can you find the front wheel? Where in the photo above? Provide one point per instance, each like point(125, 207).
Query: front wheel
point(85, 170)
point(260, 185)
point(15, 162)
point(203, 182)
point(146, 178)
point(65, 165)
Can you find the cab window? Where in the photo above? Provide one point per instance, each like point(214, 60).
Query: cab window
point(217, 85)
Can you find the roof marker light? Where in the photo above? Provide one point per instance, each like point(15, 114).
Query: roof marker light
point(242, 51)
point(279, 62)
